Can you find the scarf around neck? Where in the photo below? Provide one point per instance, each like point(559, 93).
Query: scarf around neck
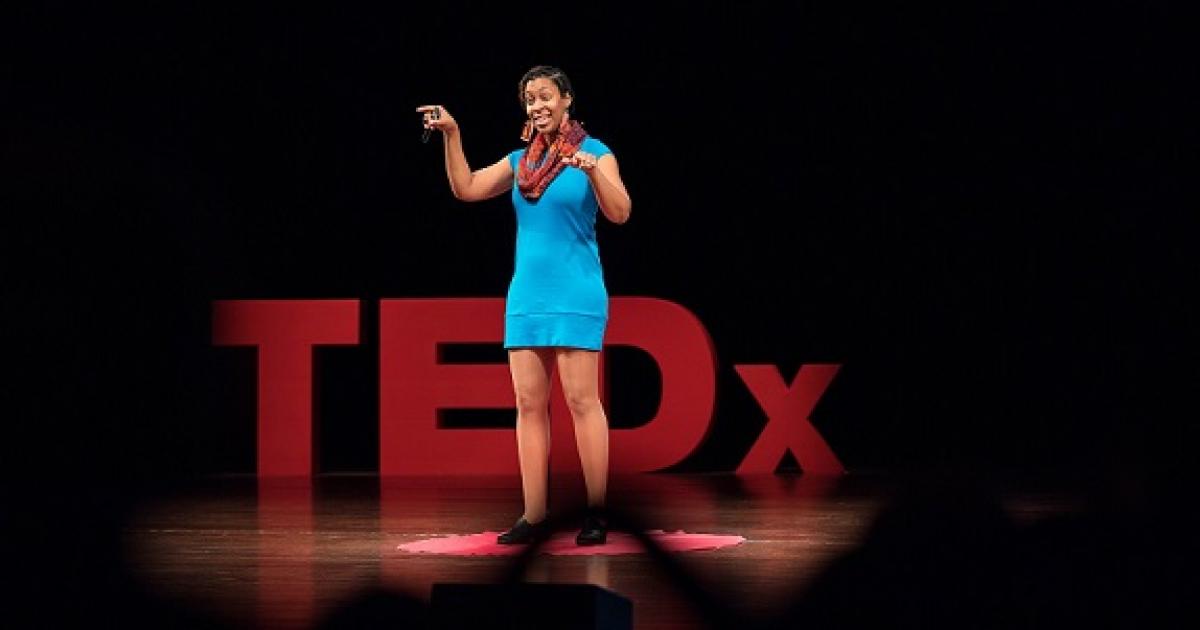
point(534, 174)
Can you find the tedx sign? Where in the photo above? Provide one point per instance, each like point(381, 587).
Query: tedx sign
point(414, 386)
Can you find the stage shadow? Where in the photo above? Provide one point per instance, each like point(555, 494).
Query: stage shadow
point(942, 552)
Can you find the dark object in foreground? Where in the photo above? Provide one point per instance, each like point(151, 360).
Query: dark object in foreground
point(529, 605)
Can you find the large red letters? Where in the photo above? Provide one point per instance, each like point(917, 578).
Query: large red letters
point(788, 426)
point(415, 385)
point(285, 332)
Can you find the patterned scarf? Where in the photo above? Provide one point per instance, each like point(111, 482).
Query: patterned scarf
point(534, 174)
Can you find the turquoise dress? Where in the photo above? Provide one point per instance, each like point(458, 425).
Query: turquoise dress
point(557, 296)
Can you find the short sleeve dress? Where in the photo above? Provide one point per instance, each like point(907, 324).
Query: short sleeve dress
point(557, 296)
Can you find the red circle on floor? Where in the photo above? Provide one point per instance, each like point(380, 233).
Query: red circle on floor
point(563, 544)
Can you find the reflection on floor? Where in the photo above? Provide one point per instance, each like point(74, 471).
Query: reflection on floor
point(293, 553)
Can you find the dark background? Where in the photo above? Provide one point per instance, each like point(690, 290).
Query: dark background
point(974, 210)
point(978, 211)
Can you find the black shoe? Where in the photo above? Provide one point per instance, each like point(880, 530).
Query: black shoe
point(594, 532)
point(523, 533)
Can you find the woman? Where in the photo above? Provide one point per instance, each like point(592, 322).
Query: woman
point(557, 305)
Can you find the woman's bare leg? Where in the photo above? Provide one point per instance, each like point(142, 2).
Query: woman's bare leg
point(531, 369)
point(579, 371)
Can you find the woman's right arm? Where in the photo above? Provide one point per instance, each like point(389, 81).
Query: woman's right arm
point(467, 185)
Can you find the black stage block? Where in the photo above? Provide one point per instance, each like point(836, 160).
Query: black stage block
point(532, 606)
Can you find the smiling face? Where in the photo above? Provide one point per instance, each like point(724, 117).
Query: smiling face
point(545, 105)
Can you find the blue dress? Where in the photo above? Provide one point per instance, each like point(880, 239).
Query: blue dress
point(557, 296)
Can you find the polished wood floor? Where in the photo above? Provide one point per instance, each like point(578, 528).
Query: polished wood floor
point(290, 554)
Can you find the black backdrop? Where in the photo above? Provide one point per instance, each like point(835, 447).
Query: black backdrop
point(972, 209)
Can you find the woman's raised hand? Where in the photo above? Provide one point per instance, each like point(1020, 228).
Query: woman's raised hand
point(581, 160)
point(436, 117)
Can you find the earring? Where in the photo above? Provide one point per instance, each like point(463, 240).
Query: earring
point(527, 132)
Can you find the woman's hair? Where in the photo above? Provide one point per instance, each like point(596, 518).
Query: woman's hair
point(549, 72)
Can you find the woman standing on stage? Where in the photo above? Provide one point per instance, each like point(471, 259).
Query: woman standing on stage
point(557, 305)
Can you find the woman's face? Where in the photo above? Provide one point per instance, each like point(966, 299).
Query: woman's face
point(544, 105)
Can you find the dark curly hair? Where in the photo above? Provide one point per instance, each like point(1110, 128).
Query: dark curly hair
point(548, 72)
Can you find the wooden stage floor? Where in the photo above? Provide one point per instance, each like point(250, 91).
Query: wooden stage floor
point(293, 554)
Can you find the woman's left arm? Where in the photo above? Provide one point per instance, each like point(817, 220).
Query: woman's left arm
point(605, 177)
